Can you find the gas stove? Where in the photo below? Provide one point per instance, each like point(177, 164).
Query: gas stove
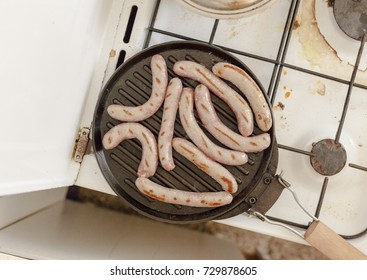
point(305, 63)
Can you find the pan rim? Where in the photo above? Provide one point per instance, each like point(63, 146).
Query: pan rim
point(214, 213)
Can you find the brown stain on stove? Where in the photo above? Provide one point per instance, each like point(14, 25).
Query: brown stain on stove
point(112, 53)
point(279, 106)
point(315, 47)
point(318, 88)
point(296, 24)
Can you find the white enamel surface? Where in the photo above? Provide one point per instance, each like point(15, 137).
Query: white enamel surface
point(255, 34)
point(48, 56)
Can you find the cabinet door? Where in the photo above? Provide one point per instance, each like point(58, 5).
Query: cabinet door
point(48, 52)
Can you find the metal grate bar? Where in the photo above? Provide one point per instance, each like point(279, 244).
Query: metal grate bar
point(283, 48)
point(350, 88)
point(321, 199)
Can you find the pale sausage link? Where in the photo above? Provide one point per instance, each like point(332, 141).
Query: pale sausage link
point(149, 108)
point(212, 168)
point(220, 131)
point(250, 89)
point(195, 133)
point(166, 131)
point(235, 101)
point(149, 159)
point(180, 197)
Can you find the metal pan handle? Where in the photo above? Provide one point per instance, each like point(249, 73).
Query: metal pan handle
point(318, 235)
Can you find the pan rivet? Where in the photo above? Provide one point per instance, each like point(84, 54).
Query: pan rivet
point(267, 180)
point(252, 200)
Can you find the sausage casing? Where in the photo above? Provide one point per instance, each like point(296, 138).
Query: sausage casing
point(149, 159)
point(216, 85)
point(250, 89)
point(212, 168)
point(220, 131)
point(196, 134)
point(180, 197)
point(149, 108)
point(166, 131)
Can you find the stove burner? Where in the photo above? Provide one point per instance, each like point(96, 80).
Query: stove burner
point(329, 157)
point(351, 17)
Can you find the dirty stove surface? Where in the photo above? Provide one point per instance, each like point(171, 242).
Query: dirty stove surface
point(305, 62)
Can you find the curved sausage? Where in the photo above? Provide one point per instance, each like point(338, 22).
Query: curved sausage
point(146, 110)
point(149, 159)
point(212, 168)
point(193, 130)
point(220, 131)
point(206, 77)
point(166, 131)
point(187, 198)
point(250, 89)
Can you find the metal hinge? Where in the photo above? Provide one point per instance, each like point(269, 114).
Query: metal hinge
point(81, 144)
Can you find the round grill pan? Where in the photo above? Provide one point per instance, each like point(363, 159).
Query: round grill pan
point(131, 85)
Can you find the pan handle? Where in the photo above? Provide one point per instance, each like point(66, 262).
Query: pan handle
point(318, 235)
point(330, 243)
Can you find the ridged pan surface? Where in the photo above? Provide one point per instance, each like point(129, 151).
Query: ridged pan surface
point(131, 85)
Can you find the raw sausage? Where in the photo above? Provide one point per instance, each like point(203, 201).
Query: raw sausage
point(149, 159)
point(250, 89)
point(187, 198)
point(220, 131)
point(212, 168)
point(196, 134)
point(165, 135)
point(146, 110)
point(206, 77)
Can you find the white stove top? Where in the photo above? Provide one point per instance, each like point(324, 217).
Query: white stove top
point(307, 81)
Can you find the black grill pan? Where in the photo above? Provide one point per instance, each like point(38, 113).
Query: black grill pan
point(131, 85)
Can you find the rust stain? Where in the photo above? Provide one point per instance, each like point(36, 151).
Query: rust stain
point(287, 94)
point(112, 53)
point(279, 106)
point(296, 24)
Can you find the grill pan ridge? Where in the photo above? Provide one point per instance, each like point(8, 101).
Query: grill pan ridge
point(131, 85)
